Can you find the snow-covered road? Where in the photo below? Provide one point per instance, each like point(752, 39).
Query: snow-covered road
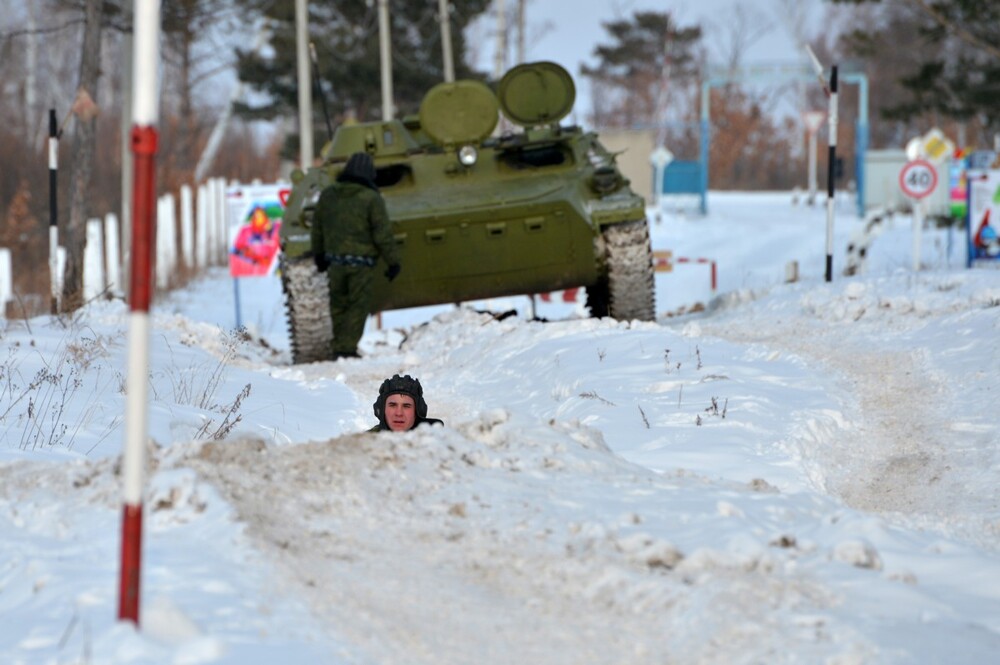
point(915, 443)
point(524, 524)
point(802, 473)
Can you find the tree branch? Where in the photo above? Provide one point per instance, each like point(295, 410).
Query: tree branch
point(959, 31)
point(40, 31)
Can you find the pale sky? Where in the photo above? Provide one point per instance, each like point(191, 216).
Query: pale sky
point(567, 32)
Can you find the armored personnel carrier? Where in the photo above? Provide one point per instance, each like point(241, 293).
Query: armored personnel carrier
point(480, 216)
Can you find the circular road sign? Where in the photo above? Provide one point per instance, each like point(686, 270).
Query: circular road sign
point(918, 178)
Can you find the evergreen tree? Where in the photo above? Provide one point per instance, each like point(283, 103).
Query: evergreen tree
point(648, 52)
point(649, 77)
point(346, 38)
point(953, 62)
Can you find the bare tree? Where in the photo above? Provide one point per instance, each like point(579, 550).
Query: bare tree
point(793, 14)
point(631, 78)
point(84, 142)
point(50, 49)
point(744, 27)
point(194, 50)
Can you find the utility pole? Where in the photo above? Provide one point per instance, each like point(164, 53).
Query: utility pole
point(125, 135)
point(520, 30)
point(305, 84)
point(30, 81)
point(500, 57)
point(385, 55)
point(449, 61)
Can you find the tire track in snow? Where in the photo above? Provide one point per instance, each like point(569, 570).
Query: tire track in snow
point(894, 462)
point(899, 456)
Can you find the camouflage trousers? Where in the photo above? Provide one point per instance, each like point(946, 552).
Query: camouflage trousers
point(351, 290)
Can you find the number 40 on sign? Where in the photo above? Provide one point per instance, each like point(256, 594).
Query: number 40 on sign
point(918, 178)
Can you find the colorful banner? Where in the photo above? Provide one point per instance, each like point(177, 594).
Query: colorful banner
point(983, 219)
point(254, 222)
point(958, 186)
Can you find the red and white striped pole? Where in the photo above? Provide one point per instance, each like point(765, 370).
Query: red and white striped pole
point(146, 54)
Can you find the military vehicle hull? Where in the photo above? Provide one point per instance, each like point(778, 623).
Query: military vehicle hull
point(537, 211)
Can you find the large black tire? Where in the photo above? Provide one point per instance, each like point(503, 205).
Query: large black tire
point(307, 305)
point(629, 262)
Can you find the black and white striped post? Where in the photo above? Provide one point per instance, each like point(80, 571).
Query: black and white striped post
point(54, 211)
point(831, 172)
point(146, 53)
point(831, 94)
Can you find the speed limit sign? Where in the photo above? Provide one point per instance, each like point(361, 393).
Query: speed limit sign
point(918, 178)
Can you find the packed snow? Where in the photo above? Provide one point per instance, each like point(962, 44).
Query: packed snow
point(773, 472)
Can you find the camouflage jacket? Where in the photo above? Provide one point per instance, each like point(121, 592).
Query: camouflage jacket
point(351, 219)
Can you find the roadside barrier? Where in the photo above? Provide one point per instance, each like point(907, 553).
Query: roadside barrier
point(664, 260)
point(569, 295)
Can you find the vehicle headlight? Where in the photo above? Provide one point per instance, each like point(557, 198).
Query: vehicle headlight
point(604, 180)
point(468, 155)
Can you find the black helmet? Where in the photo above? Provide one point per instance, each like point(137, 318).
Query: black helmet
point(400, 385)
point(360, 165)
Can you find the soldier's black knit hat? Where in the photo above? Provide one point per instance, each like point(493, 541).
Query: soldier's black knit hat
point(360, 165)
point(400, 385)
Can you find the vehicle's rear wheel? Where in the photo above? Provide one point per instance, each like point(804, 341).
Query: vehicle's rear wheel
point(307, 305)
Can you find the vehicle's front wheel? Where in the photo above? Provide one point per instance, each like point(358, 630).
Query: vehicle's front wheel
point(629, 261)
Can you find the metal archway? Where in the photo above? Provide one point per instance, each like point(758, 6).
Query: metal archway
point(787, 73)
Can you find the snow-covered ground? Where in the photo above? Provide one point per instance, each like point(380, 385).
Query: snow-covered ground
point(799, 473)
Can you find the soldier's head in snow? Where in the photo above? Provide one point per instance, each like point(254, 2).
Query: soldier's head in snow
point(400, 405)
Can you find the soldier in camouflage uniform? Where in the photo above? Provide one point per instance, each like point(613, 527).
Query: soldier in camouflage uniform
point(350, 232)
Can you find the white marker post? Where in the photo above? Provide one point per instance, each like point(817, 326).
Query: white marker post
point(146, 55)
point(918, 179)
point(813, 120)
point(660, 159)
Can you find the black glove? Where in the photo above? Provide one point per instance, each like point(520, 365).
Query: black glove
point(322, 263)
point(392, 271)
